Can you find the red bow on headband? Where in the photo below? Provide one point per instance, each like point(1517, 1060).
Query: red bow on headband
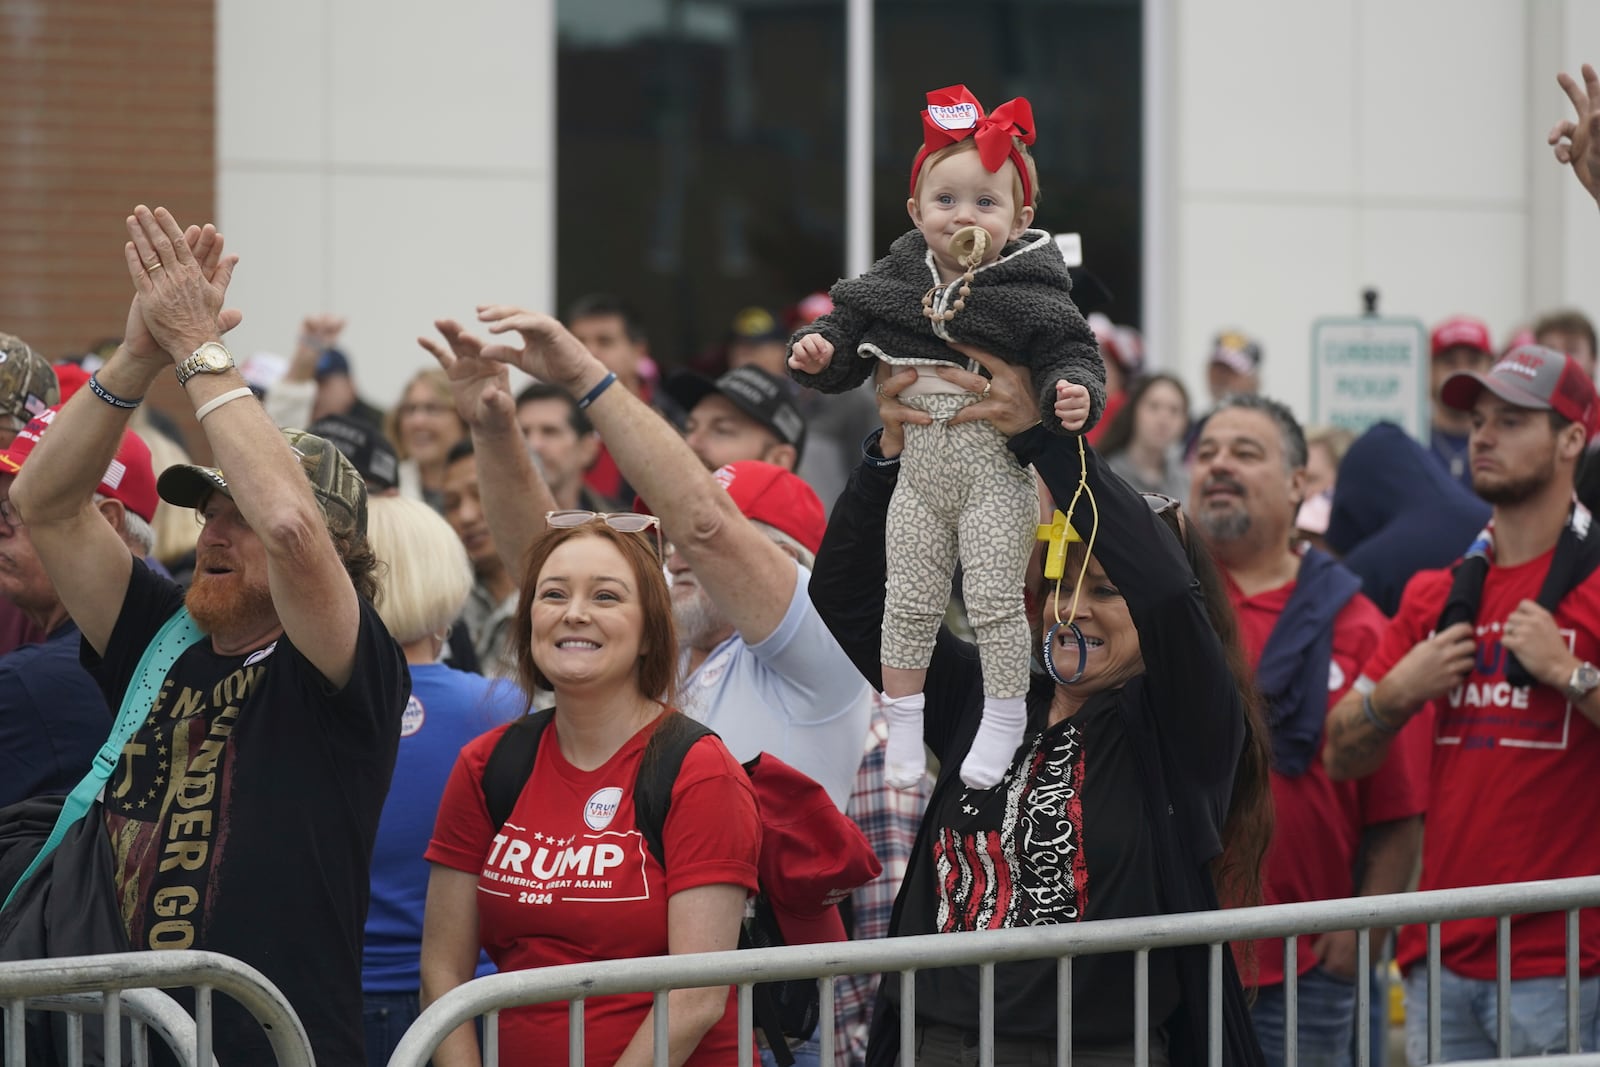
point(953, 114)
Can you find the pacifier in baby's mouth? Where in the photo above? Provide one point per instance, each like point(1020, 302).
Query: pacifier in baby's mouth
point(968, 247)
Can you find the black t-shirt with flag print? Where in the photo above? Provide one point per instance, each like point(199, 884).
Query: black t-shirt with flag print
point(243, 812)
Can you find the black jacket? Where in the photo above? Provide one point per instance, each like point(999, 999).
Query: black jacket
point(1020, 309)
point(1184, 715)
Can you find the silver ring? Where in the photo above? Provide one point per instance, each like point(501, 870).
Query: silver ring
point(987, 385)
point(152, 266)
point(880, 389)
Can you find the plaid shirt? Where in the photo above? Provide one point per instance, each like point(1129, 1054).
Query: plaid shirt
point(889, 818)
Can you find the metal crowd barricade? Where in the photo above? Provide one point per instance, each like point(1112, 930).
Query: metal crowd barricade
point(907, 955)
point(124, 984)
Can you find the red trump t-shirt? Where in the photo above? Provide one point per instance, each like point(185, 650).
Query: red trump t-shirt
point(1512, 794)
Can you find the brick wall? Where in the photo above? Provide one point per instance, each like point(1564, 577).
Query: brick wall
point(103, 104)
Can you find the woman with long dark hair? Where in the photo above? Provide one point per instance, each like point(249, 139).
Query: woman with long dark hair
point(1144, 442)
point(1140, 788)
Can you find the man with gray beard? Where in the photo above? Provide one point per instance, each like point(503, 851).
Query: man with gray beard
point(1308, 630)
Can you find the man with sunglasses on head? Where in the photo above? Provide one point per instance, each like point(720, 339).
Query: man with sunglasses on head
point(1307, 629)
point(757, 664)
point(242, 812)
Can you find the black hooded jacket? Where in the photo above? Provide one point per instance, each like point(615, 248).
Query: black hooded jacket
point(1020, 309)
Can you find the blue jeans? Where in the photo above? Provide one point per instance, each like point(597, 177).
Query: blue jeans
point(806, 1055)
point(1327, 1007)
point(385, 1017)
point(1469, 1016)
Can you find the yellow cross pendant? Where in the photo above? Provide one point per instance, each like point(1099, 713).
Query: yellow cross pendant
point(1058, 533)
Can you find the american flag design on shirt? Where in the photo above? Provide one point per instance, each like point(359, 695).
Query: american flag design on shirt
point(1013, 855)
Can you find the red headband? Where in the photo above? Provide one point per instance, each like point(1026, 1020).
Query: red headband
point(954, 114)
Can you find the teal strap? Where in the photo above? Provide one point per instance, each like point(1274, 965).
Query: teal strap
point(173, 639)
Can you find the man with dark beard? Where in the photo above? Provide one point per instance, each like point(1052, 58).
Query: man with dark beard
point(1307, 630)
point(1494, 660)
point(242, 813)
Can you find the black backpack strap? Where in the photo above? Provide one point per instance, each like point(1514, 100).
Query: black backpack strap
point(763, 1011)
point(510, 764)
point(675, 735)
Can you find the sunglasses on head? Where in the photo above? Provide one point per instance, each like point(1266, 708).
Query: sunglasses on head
point(621, 521)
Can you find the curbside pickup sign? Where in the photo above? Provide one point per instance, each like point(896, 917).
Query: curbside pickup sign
point(1367, 370)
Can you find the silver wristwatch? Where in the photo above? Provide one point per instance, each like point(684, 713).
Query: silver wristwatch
point(1585, 678)
point(209, 358)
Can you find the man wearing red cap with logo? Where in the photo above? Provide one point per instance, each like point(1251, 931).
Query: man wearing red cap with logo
point(1495, 660)
point(53, 717)
point(1460, 343)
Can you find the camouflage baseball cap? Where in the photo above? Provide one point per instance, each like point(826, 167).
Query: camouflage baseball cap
point(28, 384)
point(334, 479)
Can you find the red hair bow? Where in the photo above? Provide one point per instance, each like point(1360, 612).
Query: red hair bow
point(953, 114)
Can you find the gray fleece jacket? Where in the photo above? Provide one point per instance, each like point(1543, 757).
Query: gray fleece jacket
point(1020, 309)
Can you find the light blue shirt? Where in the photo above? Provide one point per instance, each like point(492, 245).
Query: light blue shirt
point(795, 695)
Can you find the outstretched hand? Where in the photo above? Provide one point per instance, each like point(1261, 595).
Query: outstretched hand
point(1577, 141)
point(205, 246)
point(480, 387)
point(1007, 398)
point(179, 297)
point(895, 412)
point(549, 352)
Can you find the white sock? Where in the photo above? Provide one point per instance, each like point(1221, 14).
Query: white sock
point(1004, 721)
point(905, 761)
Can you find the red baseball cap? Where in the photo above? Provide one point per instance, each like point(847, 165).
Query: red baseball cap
point(1530, 376)
point(812, 856)
point(130, 478)
point(1461, 331)
point(778, 497)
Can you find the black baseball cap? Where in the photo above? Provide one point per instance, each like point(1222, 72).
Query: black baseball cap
point(750, 389)
point(364, 445)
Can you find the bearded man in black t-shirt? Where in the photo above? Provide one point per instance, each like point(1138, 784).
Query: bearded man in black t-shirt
point(242, 813)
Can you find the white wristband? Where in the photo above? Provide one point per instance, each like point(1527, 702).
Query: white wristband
point(217, 401)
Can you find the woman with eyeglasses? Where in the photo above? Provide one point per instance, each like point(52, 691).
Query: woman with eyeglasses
point(424, 428)
point(567, 878)
point(1140, 787)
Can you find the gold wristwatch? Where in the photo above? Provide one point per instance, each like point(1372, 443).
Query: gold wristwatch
point(209, 358)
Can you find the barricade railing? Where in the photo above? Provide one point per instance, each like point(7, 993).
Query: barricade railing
point(906, 955)
point(148, 1011)
point(115, 985)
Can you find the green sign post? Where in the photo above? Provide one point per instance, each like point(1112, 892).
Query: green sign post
point(1369, 369)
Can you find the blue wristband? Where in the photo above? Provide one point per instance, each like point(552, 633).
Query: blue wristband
point(592, 395)
point(109, 397)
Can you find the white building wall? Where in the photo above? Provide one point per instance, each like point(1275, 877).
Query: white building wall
point(392, 164)
point(1323, 147)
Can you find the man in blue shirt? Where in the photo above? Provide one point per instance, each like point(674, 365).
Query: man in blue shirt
point(53, 717)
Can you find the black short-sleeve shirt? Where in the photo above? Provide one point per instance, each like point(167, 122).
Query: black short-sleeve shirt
point(243, 812)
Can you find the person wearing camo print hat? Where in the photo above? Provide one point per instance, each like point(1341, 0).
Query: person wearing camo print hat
point(242, 813)
point(27, 386)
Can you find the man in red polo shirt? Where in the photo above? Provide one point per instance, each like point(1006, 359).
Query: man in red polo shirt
point(1307, 629)
point(1502, 688)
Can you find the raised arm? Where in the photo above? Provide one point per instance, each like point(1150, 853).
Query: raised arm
point(1577, 141)
point(311, 592)
point(87, 561)
point(746, 574)
point(515, 498)
point(843, 328)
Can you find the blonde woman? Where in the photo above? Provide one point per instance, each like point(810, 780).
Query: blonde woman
point(423, 581)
